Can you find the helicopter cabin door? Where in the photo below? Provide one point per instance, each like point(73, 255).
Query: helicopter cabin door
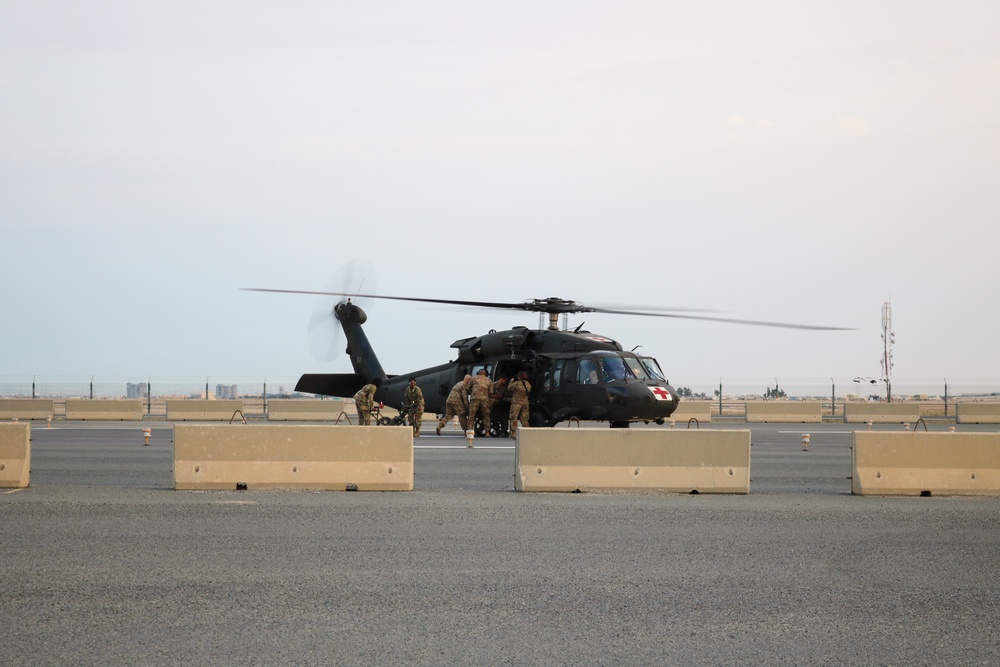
point(586, 385)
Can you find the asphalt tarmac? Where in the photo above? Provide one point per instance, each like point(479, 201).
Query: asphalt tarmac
point(102, 562)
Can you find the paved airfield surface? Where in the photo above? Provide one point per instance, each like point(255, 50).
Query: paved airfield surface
point(103, 563)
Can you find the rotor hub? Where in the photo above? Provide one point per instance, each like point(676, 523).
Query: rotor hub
point(557, 306)
point(348, 312)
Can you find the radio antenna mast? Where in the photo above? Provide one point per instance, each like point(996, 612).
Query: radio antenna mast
point(888, 340)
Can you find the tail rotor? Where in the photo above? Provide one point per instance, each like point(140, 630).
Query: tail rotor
point(325, 335)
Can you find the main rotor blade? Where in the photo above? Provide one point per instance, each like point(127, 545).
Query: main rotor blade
point(456, 302)
point(537, 305)
point(555, 305)
point(730, 320)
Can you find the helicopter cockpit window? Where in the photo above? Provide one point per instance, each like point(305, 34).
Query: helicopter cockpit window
point(652, 368)
point(637, 368)
point(587, 372)
point(614, 369)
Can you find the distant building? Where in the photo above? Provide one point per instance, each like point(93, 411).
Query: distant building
point(224, 391)
point(136, 390)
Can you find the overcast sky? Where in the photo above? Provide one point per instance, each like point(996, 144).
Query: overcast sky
point(773, 160)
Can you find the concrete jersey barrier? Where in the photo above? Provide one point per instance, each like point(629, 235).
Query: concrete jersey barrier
point(15, 455)
point(287, 456)
point(678, 461)
point(199, 409)
point(27, 408)
point(122, 409)
point(302, 409)
point(881, 413)
point(784, 412)
point(977, 413)
point(687, 410)
point(913, 464)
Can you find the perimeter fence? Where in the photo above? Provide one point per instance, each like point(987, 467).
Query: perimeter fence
point(150, 387)
point(833, 390)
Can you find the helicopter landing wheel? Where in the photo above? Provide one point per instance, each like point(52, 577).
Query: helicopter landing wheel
point(619, 425)
point(500, 429)
point(536, 420)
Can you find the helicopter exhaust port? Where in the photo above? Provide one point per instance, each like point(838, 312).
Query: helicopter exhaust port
point(501, 344)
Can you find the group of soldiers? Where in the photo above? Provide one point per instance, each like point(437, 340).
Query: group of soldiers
point(413, 403)
point(471, 397)
point(478, 396)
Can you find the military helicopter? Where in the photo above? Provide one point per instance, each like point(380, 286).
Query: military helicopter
point(574, 374)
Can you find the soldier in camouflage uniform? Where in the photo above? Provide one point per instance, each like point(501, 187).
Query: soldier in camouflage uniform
point(519, 390)
point(499, 391)
point(498, 394)
point(479, 401)
point(365, 399)
point(457, 404)
point(413, 399)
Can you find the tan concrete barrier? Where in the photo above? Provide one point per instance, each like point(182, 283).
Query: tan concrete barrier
point(687, 410)
point(123, 409)
point(302, 409)
point(271, 456)
point(678, 461)
point(784, 411)
point(913, 464)
point(15, 455)
point(198, 409)
point(977, 413)
point(27, 408)
point(881, 413)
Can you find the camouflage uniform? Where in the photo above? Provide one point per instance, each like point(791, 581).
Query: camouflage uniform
point(479, 403)
point(415, 399)
point(519, 390)
point(364, 400)
point(455, 406)
point(498, 394)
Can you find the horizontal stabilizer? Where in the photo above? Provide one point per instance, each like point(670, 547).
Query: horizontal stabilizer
point(343, 385)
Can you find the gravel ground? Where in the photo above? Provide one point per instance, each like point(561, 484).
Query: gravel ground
point(103, 563)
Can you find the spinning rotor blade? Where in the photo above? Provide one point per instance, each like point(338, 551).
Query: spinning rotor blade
point(478, 304)
point(550, 305)
point(729, 320)
point(555, 305)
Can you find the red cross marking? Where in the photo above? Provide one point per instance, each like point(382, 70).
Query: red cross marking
point(661, 393)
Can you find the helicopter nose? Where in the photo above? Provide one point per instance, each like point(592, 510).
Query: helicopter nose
point(635, 400)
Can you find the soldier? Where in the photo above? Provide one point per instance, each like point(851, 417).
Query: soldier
point(457, 404)
point(519, 390)
point(479, 402)
point(413, 399)
point(499, 392)
point(365, 399)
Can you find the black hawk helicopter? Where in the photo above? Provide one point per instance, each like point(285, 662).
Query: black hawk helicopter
point(573, 373)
